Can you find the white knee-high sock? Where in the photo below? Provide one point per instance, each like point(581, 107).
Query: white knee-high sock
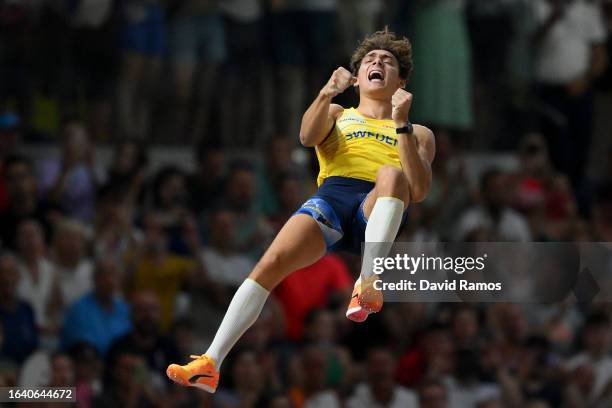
point(242, 312)
point(381, 231)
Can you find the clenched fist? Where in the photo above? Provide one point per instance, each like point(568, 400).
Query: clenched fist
point(340, 80)
point(401, 102)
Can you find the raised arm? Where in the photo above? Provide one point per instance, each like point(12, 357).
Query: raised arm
point(320, 117)
point(417, 151)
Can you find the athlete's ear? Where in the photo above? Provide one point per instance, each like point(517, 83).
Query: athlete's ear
point(403, 83)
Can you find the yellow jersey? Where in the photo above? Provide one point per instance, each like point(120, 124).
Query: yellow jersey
point(357, 147)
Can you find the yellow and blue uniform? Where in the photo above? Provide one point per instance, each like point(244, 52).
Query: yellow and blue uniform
point(349, 159)
point(357, 147)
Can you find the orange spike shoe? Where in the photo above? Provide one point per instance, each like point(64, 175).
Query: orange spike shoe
point(200, 373)
point(365, 299)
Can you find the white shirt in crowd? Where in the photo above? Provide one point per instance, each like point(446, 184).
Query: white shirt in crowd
point(228, 270)
point(602, 369)
point(75, 283)
point(363, 398)
point(565, 52)
point(37, 293)
point(511, 227)
point(470, 395)
point(323, 399)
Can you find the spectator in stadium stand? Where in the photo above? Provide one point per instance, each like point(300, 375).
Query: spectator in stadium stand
point(128, 384)
point(226, 268)
point(101, 316)
point(536, 367)
point(309, 388)
point(92, 62)
point(449, 194)
point(143, 43)
point(73, 268)
point(62, 371)
point(36, 274)
point(115, 232)
point(208, 179)
point(19, 331)
point(23, 199)
point(433, 394)
point(303, 43)
point(322, 327)
point(277, 164)
point(145, 338)
point(71, 179)
point(151, 266)
point(253, 233)
point(431, 356)
point(88, 368)
point(380, 389)
point(128, 170)
point(225, 265)
point(327, 280)
point(243, 75)
point(443, 81)
point(62, 376)
point(197, 44)
point(465, 327)
point(493, 213)
point(171, 203)
point(248, 382)
point(595, 354)
point(290, 196)
point(570, 54)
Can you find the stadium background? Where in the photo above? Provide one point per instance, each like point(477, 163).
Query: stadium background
point(149, 153)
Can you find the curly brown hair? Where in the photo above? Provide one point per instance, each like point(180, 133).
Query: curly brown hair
point(401, 48)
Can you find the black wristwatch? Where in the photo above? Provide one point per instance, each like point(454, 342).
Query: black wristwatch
point(409, 129)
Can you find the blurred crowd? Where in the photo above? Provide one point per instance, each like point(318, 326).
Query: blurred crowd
point(112, 269)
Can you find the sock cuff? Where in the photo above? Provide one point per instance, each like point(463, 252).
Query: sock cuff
point(253, 284)
point(391, 199)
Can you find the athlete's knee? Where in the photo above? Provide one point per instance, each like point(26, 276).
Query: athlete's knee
point(391, 181)
point(269, 270)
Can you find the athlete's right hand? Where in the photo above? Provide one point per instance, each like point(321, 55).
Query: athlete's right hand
point(340, 80)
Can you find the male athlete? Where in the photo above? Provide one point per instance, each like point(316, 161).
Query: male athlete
point(373, 162)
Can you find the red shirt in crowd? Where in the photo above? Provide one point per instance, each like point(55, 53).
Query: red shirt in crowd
point(309, 288)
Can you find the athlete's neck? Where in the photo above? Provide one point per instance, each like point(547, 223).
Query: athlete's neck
point(375, 109)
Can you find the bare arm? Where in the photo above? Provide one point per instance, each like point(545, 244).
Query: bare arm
point(417, 151)
point(319, 118)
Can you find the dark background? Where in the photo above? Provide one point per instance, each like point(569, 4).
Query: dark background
point(149, 153)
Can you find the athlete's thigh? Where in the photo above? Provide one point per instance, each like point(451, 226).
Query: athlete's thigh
point(390, 182)
point(299, 243)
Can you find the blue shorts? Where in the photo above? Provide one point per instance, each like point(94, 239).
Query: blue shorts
point(338, 208)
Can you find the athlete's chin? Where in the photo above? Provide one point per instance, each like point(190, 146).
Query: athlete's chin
point(377, 92)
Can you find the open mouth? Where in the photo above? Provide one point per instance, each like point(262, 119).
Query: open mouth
point(376, 76)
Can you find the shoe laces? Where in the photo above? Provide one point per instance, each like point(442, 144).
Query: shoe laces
point(203, 357)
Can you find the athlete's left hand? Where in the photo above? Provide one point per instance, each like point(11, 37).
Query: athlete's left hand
point(401, 101)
